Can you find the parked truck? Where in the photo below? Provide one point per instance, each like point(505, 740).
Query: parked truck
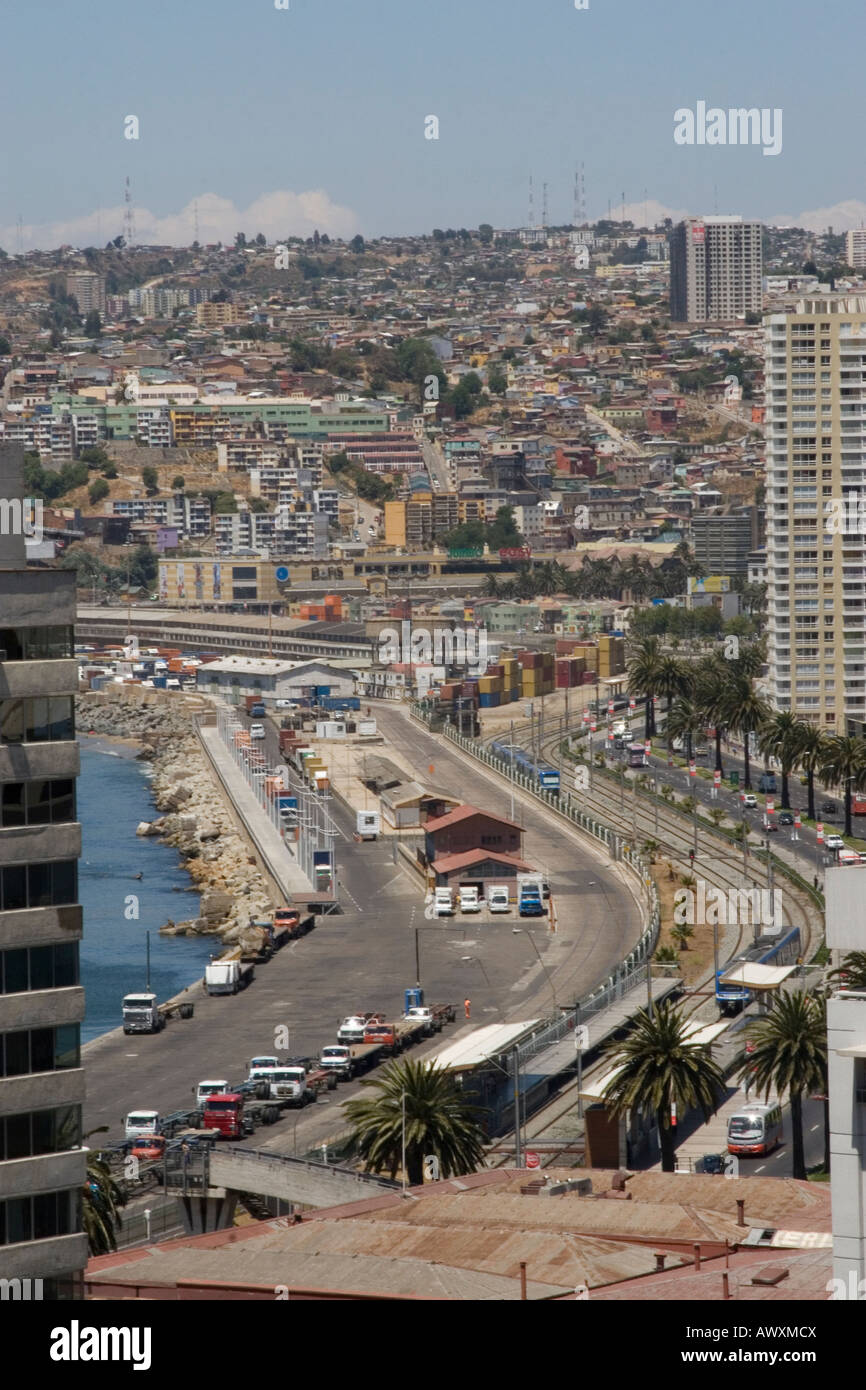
point(296, 1084)
point(141, 1014)
point(255, 706)
point(228, 974)
point(353, 1028)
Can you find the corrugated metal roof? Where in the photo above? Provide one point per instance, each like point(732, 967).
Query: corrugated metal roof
point(483, 1043)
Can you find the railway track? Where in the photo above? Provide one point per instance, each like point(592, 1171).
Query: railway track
point(637, 820)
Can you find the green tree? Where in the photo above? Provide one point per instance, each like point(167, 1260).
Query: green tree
point(497, 381)
point(644, 666)
point(142, 567)
point(102, 1199)
point(438, 1120)
point(485, 233)
point(150, 478)
point(658, 1067)
point(844, 765)
point(744, 711)
point(92, 324)
point(851, 974)
point(790, 1054)
point(5, 346)
point(781, 738)
point(98, 489)
point(357, 245)
point(178, 483)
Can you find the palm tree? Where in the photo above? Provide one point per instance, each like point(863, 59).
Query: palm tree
point(673, 679)
point(845, 764)
point(782, 737)
point(491, 585)
point(812, 757)
point(101, 1200)
point(684, 721)
point(709, 677)
point(438, 1120)
point(852, 972)
point(643, 674)
point(790, 1054)
point(743, 710)
point(681, 933)
point(660, 1067)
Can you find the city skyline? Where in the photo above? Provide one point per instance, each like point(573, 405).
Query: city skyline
point(332, 130)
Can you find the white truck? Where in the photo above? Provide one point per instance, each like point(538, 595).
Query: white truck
point(498, 898)
point(208, 1088)
point(469, 900)
point(227, 976)
point(353, 1028)
point(443, 902)
point(141, 1014)
point(293, 1085)
point(141, 1123)
point(337, 1058)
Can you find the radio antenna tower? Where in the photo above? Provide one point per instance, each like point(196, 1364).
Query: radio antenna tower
point(128, 217)
point(531, 222)
point(19, 237)
point(544, 205)
point(579, 196)
point(195, 217)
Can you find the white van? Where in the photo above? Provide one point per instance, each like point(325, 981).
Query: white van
point(140, 1123)
point(497, 898)
point(469, 900)
point(443, 902)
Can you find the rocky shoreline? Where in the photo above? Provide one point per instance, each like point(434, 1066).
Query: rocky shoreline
point(194, 819)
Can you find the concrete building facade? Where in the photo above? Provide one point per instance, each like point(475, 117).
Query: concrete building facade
point(816, 478)
point(715, 269)
point(42, 1162)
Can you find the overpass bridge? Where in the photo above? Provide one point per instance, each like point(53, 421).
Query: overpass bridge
point(208, 1180)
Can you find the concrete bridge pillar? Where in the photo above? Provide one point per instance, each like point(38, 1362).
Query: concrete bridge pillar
point(215, 1212)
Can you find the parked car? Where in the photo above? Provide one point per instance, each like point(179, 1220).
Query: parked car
point(786, 818)
point(750, 801)
point(834, 842)
point(827, 808)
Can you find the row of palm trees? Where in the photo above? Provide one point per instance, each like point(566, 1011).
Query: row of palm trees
point(719, 692)
point(414, 1110)
point(599, 578)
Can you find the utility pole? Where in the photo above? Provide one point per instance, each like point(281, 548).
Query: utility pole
point(517, 1154)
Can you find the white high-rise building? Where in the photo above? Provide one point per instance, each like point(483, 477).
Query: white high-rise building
point(815, 373)
point(855, 248)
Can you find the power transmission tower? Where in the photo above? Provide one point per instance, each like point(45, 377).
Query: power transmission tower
point(128, 216)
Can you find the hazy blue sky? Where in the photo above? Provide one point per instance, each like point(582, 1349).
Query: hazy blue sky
point(239, 101)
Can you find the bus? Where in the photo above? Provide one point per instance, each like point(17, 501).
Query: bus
point(782, 948)
point(637, 755)
point(755, 1129)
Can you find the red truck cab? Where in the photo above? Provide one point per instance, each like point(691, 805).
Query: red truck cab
point(224, 1112)
point(148, 1147)
point(383, 1033)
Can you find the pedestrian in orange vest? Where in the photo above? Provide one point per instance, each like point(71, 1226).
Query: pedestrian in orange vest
point(467, 1006)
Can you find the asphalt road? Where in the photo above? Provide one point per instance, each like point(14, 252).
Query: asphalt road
point(364, 958)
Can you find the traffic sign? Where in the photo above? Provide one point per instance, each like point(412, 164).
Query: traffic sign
point(717, 778)
point(648, 748)
point(797, 820)
point(693, 772)
point(282, 574)
point(819, 832)
point(771, 806)
point(532, 1161)
point(581, 1038)
point(632, 704)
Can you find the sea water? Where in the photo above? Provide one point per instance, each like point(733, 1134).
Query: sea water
point(113, 797)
